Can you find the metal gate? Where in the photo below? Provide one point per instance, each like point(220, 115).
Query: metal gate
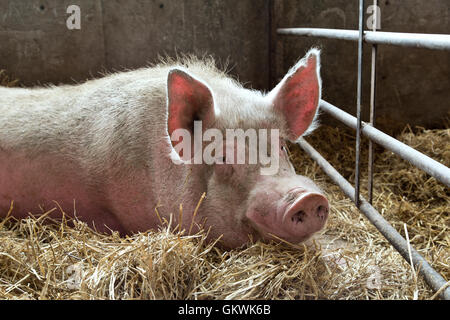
point(432, 167)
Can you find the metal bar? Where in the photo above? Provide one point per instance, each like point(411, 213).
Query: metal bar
point(373, 80)
point(358, 102)
point(432, 167)
point(433, 278)
point(416, 40)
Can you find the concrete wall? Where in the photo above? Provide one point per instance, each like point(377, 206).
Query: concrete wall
point(413, 84)
point(37, 47)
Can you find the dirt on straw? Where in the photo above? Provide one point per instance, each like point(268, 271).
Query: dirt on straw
point(348, 260)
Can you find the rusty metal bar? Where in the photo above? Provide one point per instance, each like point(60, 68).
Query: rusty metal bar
point(433, 278)
point(432, 167)
point(416, 40)
point(358, 102)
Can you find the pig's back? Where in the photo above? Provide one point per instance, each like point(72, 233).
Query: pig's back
point(92, 121)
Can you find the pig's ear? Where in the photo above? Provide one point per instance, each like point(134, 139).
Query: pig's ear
point(188, 100)
point(297, 96)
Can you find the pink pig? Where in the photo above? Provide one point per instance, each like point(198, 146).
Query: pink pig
point(103, 151)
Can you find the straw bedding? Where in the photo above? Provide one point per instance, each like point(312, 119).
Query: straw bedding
point(348, 260)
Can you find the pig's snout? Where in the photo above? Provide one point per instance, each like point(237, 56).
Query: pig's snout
point(294, 217)
point(306, 215)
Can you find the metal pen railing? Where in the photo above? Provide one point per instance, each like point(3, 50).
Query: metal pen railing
point(417, 40)
point(432, 167)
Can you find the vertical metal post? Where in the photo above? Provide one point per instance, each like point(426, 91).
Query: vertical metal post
point(358, 102)
point(373, 79)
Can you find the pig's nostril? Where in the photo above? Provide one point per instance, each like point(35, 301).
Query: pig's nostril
point(298, 216)
point(322, 212)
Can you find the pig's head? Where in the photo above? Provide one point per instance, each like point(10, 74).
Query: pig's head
point(246, 199)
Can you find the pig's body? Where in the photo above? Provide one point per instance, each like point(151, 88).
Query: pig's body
point(102, 144)
point(101, 151)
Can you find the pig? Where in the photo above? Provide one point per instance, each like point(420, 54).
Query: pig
point(103, 152)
